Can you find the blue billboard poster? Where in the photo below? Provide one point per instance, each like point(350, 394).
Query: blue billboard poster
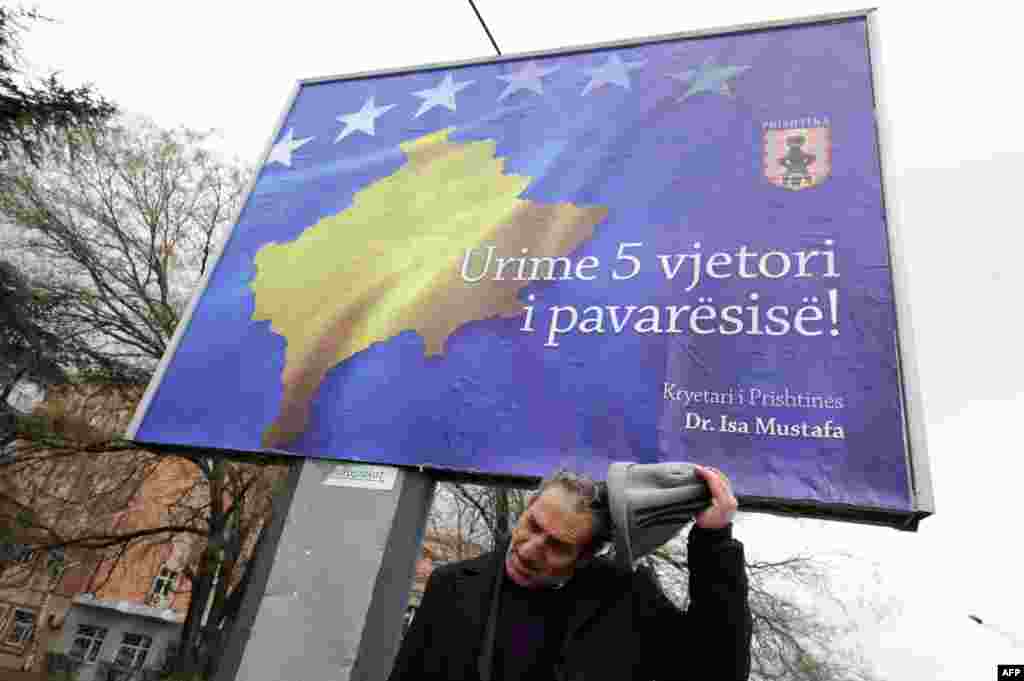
point(671, 249)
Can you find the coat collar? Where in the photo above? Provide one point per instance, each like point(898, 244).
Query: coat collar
point(591, 587)
point(595, 587)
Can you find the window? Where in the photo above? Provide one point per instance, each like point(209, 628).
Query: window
point(16, 553)
point(163, 583)
point(55, 563)
point(133, 650)
point(87, 643)
point(21, 628)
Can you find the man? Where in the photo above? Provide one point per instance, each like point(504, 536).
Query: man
point(545, 607)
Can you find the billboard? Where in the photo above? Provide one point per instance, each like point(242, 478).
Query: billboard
point(667, 249)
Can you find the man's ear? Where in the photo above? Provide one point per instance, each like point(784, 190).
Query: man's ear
point(529, 503)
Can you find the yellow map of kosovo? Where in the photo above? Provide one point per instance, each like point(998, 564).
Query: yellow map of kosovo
point(391, 262)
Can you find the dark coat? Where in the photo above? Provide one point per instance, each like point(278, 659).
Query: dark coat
point(623, 626)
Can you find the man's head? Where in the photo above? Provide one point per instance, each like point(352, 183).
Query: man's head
point(562, 527)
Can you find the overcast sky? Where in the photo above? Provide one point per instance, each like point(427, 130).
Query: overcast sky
point(955, 154)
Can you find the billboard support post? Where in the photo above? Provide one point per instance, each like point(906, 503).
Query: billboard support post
point(331, 580)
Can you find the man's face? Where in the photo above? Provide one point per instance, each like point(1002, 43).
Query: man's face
point(548, 541)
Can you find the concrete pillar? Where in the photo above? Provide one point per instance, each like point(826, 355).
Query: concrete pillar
point(328, 591)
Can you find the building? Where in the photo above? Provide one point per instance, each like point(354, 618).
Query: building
point(102, 639)
point(91, 607)
point(100, 609)
point(108, 605)
point(103, 612)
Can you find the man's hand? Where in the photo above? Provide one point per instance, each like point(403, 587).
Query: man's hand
point(723, 503)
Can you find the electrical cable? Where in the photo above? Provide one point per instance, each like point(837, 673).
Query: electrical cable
point(484, 24)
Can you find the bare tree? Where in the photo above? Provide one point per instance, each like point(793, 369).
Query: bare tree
point(33, 115)
point(117, 235)
point(114, 230)
point(472, 515)
point(794, 640)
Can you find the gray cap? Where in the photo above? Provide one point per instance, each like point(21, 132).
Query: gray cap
point(650, 503)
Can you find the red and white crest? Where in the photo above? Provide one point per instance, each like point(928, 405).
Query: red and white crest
point(797, 158)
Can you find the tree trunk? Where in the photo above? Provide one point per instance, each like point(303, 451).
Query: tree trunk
point(193, 653)
point(226, 617)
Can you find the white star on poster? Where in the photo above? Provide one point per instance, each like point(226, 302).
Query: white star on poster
point(709, 78)
point(442, 95)
point(362, 120)
point(527, 78)
point(282, 151)
point(614, 72)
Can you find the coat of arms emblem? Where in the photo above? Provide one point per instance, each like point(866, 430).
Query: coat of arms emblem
point(797, 158)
